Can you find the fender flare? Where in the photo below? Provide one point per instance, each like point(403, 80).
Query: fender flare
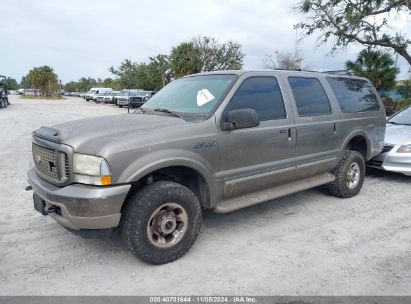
point(354, 134)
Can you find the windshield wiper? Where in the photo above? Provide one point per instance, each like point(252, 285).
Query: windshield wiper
point(167, 111)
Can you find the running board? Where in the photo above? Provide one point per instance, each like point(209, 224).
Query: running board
point(254, 198)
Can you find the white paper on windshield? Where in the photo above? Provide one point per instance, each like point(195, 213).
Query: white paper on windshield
point(204, 96)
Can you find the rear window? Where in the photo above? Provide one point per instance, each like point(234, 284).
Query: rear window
point(354, 95)
point(309, 96)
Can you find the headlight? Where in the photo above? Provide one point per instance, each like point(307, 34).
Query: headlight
point(91, 170)
point(404, 149)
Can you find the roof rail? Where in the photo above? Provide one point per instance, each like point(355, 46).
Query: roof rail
point(339, 72)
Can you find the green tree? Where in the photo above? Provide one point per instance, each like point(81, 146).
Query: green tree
point(366, 22)
point(126, 73)
point(24, 83)
point(160, 67)
point(11, 84)
point(110, 83)
point(405, 89)
point(44, 79)
point(377, 66)
point(216, 56)
point(71, 86)
point(86, 83)
point(185, 59)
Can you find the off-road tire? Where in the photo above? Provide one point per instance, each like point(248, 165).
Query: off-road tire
point(339, 187)
point(140, 208)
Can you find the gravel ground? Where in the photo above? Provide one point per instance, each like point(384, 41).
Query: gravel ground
point(305, 244)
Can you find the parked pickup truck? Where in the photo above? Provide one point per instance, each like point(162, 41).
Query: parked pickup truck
point(219, 140)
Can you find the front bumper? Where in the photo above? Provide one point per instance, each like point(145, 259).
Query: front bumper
point(136, 103)
point(122, 102)
point(81, 206)
point(392, 161)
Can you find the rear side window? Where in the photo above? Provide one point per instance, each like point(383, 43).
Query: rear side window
point(354, 95)
point(309, 96)
point(262, 94)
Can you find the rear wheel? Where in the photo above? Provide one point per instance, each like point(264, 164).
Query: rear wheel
point(349, 175)
point(161, 222)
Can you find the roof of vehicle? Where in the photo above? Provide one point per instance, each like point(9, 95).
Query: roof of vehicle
point(298, 72)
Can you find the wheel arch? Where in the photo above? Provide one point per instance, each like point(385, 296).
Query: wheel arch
point(188, 172)
point(358, 141)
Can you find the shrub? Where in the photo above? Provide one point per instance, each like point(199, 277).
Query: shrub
point(390, 105)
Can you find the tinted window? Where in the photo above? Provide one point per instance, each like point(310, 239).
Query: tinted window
point(309, 96)
point(354, 95)
point(261, 94)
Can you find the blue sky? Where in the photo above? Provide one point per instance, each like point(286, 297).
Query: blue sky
point(84, 38)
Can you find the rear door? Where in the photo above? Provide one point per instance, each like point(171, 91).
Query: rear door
point(317, 125)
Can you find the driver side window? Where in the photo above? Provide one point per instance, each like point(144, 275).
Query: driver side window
point(261, 94)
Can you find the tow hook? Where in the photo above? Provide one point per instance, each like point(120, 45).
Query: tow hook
point(28, 188)
point(50, 210)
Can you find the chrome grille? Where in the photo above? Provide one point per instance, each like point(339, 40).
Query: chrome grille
point(51, 163)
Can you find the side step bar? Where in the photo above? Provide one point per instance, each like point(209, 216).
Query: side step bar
point(254, 198)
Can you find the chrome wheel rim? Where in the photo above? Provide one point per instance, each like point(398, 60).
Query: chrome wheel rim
point(353, 175)
point(167, 225)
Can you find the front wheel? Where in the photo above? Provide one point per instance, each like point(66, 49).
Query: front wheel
point(161, 222)
point(349, 175)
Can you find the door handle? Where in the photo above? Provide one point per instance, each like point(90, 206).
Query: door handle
point(335, 129)
point(289, 132)
point(290, 135)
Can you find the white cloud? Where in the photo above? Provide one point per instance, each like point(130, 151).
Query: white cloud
point(83, 38)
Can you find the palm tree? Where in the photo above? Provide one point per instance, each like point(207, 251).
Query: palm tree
point(377, 66)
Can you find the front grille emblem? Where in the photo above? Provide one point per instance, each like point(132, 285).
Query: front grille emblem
point(51, 166)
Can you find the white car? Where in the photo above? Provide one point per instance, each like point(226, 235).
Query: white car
point(91, 95)
point(99, 97)
point(110, 97)
point(396, 154)
point(123, 100)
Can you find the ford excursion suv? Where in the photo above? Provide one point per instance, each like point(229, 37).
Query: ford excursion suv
point(219, 140)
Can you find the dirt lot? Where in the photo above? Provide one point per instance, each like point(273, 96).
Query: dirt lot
point(304, 244)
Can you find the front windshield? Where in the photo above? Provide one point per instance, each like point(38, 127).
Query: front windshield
point(402, 118)
point(194, 95)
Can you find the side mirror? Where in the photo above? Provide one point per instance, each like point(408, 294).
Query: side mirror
point(240, 119)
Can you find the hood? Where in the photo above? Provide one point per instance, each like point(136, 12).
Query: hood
point(92, 135)
point(398, 134)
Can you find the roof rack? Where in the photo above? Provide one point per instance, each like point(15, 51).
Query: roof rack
point(339, 72)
